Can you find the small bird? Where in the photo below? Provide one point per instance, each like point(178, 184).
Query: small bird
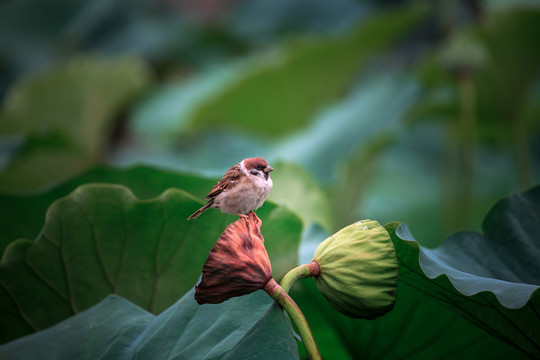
point(242, 189)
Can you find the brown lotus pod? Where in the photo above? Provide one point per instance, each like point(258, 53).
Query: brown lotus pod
point(238, 263)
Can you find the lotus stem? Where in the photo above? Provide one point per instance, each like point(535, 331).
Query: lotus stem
point(281, 297)
point(467, 129)
point(300, 272)
point(521, 152)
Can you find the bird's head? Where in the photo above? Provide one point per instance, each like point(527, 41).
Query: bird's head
point(257, 166)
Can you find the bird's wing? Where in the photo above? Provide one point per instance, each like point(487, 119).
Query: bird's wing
point(230, 180)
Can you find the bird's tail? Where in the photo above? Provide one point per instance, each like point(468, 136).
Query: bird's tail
point(201, 210)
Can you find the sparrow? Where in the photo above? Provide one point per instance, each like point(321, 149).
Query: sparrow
point(242, 189)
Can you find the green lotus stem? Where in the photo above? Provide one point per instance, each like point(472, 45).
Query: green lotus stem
point(521, 150)
point(467, 130)
point(279, 295)
point(300, 272)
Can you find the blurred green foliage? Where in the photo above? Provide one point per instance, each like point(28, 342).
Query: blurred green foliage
point(62, 119)
point(391, 110)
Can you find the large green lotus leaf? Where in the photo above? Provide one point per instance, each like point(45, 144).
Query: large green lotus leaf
point(419, 327)
point(65, 116)
point(279, 91)
point(23, 213)
point(492, 279)
point(240, 328)
point(102, 240)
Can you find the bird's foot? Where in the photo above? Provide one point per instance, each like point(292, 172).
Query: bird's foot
point(243, 216)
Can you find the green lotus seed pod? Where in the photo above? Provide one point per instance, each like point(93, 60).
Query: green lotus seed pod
point(358, 270)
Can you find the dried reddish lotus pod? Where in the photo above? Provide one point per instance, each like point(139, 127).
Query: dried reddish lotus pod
point(238, 263)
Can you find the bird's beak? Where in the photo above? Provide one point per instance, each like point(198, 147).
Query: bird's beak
point(268, 169)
